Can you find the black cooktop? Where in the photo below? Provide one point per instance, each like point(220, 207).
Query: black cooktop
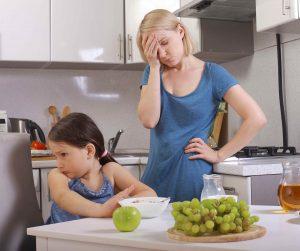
point(265, 151)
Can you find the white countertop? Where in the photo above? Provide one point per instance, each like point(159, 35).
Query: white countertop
point(283, 233)
point(122, 160)
point(253, 166)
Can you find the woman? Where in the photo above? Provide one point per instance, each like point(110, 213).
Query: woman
point(180, 95)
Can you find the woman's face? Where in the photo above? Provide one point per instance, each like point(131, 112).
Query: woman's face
point(171, 46)
point(71, 161)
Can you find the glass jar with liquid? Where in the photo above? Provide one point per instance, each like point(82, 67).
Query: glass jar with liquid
point(289, 187)
point(212, 188)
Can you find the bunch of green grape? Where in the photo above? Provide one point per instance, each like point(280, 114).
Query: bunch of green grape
point(223, 216)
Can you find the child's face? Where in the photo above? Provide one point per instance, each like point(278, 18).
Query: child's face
point(71, 161)
point(171, 45)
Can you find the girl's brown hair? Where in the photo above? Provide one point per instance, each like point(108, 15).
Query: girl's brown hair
point(78, 129)
point(161, 19)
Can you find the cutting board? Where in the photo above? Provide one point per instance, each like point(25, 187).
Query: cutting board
point(253, 233)
point(34, 158)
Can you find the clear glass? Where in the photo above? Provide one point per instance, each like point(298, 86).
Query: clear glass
point(289, 187)
point(212, 186)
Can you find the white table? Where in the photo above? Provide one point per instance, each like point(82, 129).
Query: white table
point(283, 233)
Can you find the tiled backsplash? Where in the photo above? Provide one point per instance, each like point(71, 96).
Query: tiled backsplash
point(109, 97)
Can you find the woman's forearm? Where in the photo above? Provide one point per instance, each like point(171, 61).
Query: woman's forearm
point(145, 193)
point(149, 105)
point(75, 204)
point(248, 130)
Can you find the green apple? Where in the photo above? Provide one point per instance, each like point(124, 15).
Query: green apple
point(126, 219)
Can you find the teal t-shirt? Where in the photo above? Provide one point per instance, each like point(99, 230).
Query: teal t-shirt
point(169, 171)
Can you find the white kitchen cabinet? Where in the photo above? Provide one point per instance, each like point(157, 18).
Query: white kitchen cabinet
point(37, 185)
point(87, 31)
point(46, 198)
point(25, 30)
point(194, 27)
point(274, 13)
point(135, 10)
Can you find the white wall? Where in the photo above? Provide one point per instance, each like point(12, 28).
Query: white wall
point(258, 75)
point(109, 97)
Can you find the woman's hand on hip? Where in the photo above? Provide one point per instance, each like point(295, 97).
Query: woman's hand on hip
point(202, 151)
point(113, 202)
point(151, 48)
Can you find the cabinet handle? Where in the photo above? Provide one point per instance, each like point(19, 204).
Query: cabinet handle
point(120, 54)
point(129, 38)
point(285, 6)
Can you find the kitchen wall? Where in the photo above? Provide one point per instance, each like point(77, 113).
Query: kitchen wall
point(109, 97)
point(258, 75)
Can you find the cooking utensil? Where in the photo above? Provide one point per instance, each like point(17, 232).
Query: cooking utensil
point(65, 111)
point(53, 112)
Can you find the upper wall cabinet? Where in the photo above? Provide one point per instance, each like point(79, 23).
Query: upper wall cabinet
point(24, 30)
point(87, 31)
point(135, 10)
point(278, 15)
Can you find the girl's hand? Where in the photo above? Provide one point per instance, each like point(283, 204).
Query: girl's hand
point(151, 48)
point(112, 203)
point(202, 150)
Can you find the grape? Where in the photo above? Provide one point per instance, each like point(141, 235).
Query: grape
point(232, 226)
point(187, 211)
point(224, 228)
point(226, 218)
point(186, 203)
point(177, 206)
point(239, 229)
point(187, 226)
point(221, 208)
point(232, 216)
point(209, 224)
point(219, 219)
point(197, 218)
point(238, 221)
point(195, 203)
point(202, 228)
point(213, 212)
point(181, 218)
point(234, 210)
point(175, 214)
point(228, 207)
point(255, 218)
point(204, 212)
point(245, 213)
point(195, 229)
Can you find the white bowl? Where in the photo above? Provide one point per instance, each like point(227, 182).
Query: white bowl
point(149, 207)
point(235, 197)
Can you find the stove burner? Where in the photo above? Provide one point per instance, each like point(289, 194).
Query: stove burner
point(258, 151)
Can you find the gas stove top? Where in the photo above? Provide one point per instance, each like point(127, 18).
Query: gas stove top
point(266, 151)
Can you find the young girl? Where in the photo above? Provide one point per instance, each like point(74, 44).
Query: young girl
point(180, 95)
point(87, 177)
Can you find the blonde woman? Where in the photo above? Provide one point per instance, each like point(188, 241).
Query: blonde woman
point(180, 95)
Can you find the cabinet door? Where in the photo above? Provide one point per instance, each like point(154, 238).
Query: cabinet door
point(46, 198)
point(24, 30)
point(87, 31)
point(272, 13)
point(194, 27)
point(135, 10)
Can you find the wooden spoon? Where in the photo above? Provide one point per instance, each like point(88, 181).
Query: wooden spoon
point(53, 112)
point(65, 111)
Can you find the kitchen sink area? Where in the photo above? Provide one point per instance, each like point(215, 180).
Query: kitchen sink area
point(123, 153)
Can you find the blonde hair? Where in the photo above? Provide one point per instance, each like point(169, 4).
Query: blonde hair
point(163, 20)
